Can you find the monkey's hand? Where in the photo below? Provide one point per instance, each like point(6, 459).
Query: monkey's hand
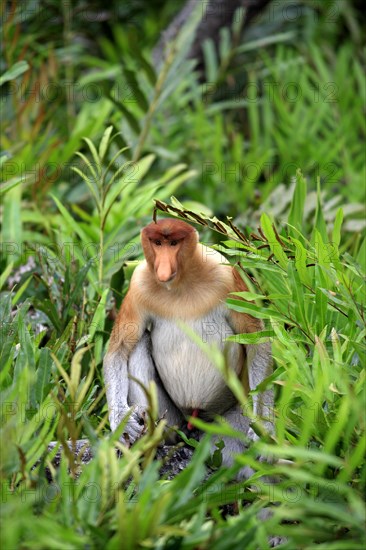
point(135, 427)
point(253, 437)
point(136, 423)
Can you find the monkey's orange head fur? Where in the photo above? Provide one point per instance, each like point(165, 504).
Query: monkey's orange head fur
point(167, 245)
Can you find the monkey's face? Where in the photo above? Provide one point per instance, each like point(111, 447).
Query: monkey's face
point(165, 252)
point(167, 247)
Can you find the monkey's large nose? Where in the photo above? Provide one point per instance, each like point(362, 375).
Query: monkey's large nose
point(165, 270)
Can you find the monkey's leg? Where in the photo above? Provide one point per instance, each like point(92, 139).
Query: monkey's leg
point(141, 366)
point(234, 416)
point(242, 423)
point(260, 366)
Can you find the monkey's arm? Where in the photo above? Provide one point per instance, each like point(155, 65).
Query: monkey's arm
point(126, 335)
point(259, 361)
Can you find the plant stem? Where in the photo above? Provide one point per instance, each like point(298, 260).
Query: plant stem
point(69, 67)
point(152, 108)
point(101, 254)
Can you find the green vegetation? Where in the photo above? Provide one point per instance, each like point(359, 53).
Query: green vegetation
point(268, 141)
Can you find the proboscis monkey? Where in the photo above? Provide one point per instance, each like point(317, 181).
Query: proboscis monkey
point(182, 280)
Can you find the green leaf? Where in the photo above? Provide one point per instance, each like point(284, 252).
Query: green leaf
point(50, 310)
point(336, 235)
point(71, 223)
point(15, 70)
point(361, 255)
point(91, 184)
point(265, 41)
point(210, 60)
point(5, 274)
point(95, 155)
point(259, 312)
point(137, 93)
point(8, 185)
point(105, 142)
point(20, 291)
point(140, 168)
point(324, 252)
point(319, 224)
point(97, 325)
point(275, 246)
point(89, 165)
point(131, 119)
point(296, 214)
point(252, 337)
point(73, 298)
point(12, 218)
point(249, 295)
point(146, 66)
point(225, 43)
point(298, 299)
point(321, 302)
point(43, 375)
point(301, 261)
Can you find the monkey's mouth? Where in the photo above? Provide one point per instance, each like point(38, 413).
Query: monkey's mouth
point(167, 284)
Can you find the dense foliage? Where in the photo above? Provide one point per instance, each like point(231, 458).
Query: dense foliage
point(264, 152)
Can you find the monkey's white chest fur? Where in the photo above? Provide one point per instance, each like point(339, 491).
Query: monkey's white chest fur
point(187, 373)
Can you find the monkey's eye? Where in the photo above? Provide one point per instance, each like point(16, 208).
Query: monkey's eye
point(158, 243)
point(173, 243)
